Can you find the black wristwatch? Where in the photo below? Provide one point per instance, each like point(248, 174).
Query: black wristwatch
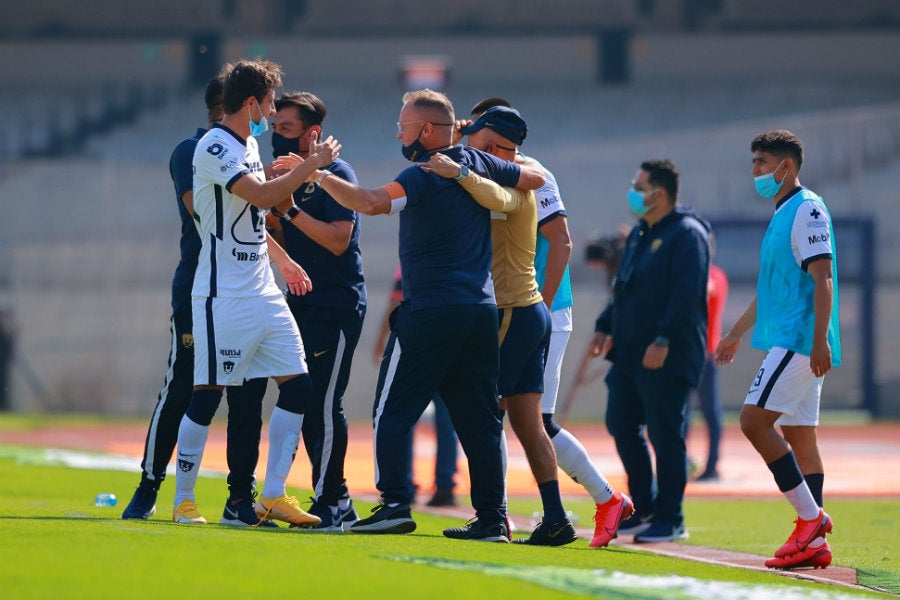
point(463, 173)
point(292, 212)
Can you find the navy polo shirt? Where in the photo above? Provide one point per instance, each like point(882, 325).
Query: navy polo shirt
point(338, 281)
point(182, 171)
point(445, 236)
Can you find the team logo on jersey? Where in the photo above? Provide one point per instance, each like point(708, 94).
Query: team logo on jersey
point(655, 245)
point(228, 367)
point(187, 340)
point(310, 188)
point(814, 213)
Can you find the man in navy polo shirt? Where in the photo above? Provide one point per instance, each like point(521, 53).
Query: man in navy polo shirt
point(322, 237)
point(445, 333)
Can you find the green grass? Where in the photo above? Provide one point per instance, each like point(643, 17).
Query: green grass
point(55, 543)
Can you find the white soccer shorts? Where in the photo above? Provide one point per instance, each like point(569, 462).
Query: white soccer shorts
point(244, 338)
point(785, 384)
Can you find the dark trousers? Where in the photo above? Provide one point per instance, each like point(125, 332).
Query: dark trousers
point(711, 409)
point(329, 337)
point(447, 447)
point(244, 415)
point(655, 402)
point(452, 350)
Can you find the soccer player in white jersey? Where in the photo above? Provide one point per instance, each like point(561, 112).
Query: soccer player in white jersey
point(242, 325)
point(795, 319)
point(554, 246)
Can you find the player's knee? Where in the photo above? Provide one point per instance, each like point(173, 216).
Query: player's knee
point(293, 394)
point(203, 406)
point(550, 426)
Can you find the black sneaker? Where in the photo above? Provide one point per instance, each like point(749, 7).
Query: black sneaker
point(551, 534)
point(331, 521)
point(477, 531)
point(659, 531)
point(347, 516)
point(442, 497)
point(142, 505)
point(239, 512)
point(386, 519)
point(635, 524)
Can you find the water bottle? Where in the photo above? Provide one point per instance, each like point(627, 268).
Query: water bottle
point(105, 499)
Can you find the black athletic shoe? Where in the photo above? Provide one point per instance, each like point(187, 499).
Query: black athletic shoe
point(551, 534)
point(331, 520)
point(142, 505)
point(477, 531)
point(386, 519)
point(239, 511)
point(442, 497)
point(635, 524)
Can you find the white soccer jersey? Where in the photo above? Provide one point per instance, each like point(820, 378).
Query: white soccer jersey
point(234, 257)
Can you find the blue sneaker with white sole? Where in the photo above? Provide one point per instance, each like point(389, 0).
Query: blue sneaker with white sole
point(239, 512)
point(142, 505)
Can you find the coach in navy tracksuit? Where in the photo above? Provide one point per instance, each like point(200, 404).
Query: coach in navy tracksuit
point(655, 333)
point(444, 335)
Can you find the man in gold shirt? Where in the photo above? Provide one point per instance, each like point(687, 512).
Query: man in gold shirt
point(524, 318)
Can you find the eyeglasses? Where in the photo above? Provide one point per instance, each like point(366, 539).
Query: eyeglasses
point(635, 184)
point(400, 124)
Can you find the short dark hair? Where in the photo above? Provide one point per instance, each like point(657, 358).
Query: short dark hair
point(489, 103)
point(662, 173)
point(311, 108)
point(215, 90)
point(781, 143)
point(249, 78)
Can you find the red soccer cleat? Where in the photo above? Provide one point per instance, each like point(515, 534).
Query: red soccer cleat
point(609, 516)
point(810, 558)
point(804, 533)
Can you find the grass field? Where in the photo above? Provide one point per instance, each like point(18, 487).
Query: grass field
point(55, 543)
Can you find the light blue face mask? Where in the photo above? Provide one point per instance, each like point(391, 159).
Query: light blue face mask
point(257, 128)
point(636, 202)
point(766, 186)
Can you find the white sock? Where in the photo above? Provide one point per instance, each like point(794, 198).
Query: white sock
point(343, 503)
point(284, 437)
point(573, 458)
point(802, 500)
point(191, 442)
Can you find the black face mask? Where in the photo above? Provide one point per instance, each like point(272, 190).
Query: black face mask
point(282, 146)
point(414, 150)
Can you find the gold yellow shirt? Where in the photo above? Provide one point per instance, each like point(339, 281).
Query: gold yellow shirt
point(513, 237)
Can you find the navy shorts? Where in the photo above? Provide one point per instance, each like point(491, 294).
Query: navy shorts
point(524, 340)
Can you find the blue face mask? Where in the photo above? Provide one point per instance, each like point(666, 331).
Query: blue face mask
point(257, 128)
point(636, 202)
point(766, 186)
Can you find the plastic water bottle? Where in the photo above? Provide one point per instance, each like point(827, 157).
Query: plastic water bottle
point(105, 499)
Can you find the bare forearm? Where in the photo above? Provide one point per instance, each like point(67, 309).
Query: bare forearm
point(745, 322)
point(334, 237)
point(354, 197)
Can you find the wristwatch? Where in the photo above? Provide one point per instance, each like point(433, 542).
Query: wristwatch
point(320, 177)
point(463, 173)
point(292, 212)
